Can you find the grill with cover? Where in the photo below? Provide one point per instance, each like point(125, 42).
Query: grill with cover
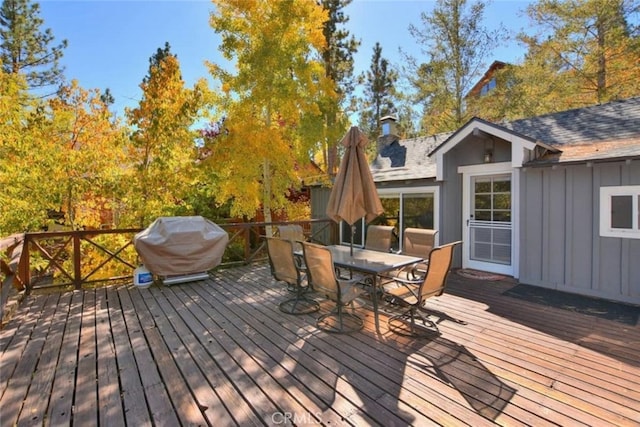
point(180, 249)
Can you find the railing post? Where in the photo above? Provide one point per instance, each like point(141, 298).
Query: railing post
point(247, 243)
point(24, 267)
point(77, 270)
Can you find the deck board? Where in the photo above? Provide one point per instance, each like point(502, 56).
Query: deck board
point(132, 391)
point(155, 391)
point(179, 336)
point(26, 363)
point(60, 404)
point(42, 379)
point(219, 352)
point(110, 409)
point(86, 394)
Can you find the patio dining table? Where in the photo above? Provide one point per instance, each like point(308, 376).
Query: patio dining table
point(371, 263)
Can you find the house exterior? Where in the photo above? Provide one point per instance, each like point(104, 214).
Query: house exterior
point(488, 82)
point(553, 200)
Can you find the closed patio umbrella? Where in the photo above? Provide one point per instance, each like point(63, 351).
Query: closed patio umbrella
point(354, 193)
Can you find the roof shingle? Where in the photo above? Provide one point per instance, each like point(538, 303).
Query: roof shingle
point(607, 122)
point(407, 159)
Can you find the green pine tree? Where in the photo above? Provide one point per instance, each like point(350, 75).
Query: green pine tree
point(379, 94)
point(338, 61)
point(25, 48)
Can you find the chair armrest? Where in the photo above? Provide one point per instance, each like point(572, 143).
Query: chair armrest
point(403, 288)
point(406, 282)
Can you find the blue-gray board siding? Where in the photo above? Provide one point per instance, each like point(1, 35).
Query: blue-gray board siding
point(319, 202)
point(560, 244)
point(581, 229)
point(451, 202)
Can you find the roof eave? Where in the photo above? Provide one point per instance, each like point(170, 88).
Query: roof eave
point(556, 162)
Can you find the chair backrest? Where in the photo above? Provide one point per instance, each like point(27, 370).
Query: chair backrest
point(320, 270)
point(293, 232)
point(379, 238)
point(282, 261)
point(418, 242)
point(435, 279)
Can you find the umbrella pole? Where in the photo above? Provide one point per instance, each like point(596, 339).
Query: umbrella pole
point(353, 232)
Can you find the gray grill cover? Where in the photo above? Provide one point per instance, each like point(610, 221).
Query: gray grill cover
point(181, 245)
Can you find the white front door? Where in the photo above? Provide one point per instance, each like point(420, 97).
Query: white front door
point(488, 220)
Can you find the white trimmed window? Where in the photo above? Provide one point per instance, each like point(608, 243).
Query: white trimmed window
point(620, 211)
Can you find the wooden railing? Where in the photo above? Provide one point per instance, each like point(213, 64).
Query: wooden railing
point(10, 254)
point(82, 258)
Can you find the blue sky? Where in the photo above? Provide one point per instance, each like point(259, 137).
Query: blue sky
point(111, 41)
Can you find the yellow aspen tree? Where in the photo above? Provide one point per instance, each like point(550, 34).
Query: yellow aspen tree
point(162, 151)
point(62, 154)
point(88, 147)
point(17, 150)
point(271, 99)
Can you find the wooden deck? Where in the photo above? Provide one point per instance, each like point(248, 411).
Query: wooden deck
point(221, 353)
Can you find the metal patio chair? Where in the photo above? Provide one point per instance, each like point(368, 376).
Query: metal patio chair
point(418, 242)
point(414, 293)
point(322, 277)
point(379, 238)
point(284, 269)
point(295, 234)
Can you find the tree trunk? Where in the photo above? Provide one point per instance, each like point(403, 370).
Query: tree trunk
point(332, 147)
point(266, 184)
point(602, 62)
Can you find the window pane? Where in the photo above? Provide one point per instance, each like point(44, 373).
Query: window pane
point(483, 201)
point(483, 186)
point(502, 186)
point(391, 213)
point(483, 215)
point(417, 210)
point(622, 212)
point(502, 216)
point(502, 201)
point(346, 233)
